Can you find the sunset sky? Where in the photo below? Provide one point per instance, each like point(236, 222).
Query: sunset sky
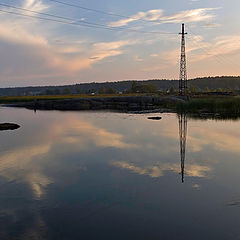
point(123, 40)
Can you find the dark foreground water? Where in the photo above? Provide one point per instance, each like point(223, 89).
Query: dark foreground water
point(101, 175)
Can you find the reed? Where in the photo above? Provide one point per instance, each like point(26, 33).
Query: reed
point(221, 105)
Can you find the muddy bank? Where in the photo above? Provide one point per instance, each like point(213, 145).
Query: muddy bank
point(128, 103)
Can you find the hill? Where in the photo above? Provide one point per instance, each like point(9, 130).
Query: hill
point(224, 82)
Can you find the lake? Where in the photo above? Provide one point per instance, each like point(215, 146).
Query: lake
point(107, 175)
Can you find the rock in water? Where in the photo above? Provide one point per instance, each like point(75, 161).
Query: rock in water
point(8, 126)
point(155, 118)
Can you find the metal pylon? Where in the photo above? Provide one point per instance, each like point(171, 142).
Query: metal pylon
point(183, 136)
point(183, 66)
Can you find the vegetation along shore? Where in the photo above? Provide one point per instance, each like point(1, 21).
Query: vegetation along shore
point(139, 97)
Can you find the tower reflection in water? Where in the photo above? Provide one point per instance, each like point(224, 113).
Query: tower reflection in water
point(182, 119)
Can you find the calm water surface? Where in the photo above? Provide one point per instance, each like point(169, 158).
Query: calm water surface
point(102, 175)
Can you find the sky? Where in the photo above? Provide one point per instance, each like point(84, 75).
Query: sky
point(47, 42)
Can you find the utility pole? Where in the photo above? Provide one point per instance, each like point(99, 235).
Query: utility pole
point(183, 66)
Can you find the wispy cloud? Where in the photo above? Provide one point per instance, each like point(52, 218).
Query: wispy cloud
point(193, 15)
point(198, 49)
point(96, 53)
point(35, 50)
point(34, 5)
point(225, 45)
point(108, 49)
point(155, 68)
point(151, 15)
point(193, 1)
point(138, 58)
point(31, 41)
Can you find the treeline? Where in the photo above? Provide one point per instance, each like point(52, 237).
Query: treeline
point(224, 83)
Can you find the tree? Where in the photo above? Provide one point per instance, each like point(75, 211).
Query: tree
point(134, 87)
point(102, 90)
point(111, 91)
point(56, 91)
point(207, 89)
point(171, 90)
point(49, 92)
point(193, 89)
point(148, 88)
point(66, 91)
point(143, 88)
point(78, 90)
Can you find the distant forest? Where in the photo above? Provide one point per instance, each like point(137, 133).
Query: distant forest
point(198, 84)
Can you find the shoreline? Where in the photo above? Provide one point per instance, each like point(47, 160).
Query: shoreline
point(202, 107)
point(120, 103)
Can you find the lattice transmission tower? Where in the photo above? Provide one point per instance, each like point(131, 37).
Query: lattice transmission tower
point(183, 65)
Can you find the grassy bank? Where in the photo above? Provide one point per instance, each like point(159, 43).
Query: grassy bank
point(204, 106)
point(17, 99)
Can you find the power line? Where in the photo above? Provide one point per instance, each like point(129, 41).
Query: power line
point(102, 12)
point(48, 19)
point(76, 21)
point(88, 9)
point(54, 16)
